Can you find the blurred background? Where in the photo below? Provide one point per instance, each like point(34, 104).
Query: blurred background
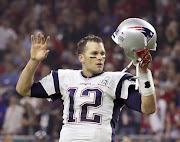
point(67, 21)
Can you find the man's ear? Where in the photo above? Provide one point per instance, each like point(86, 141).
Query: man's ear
point(81, 58)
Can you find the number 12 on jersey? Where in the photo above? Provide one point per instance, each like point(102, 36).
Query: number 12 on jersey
point(85, 106)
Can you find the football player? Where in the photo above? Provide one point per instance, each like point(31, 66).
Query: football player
point(92, 98)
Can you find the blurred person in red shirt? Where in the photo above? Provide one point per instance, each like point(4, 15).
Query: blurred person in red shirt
point(172, 120)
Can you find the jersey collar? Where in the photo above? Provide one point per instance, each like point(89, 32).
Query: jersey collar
point(91, 76)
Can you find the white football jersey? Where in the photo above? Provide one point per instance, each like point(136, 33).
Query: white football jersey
point(89, 104)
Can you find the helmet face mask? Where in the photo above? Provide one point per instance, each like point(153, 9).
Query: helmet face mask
point(143, 56)
point(136, 36)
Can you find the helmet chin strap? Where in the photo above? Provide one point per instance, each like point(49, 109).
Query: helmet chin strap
point(137, 75)
point(145, 41)
point(137, 72)
point(128, 66)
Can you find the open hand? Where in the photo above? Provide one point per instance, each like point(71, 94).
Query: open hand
point(39, 49)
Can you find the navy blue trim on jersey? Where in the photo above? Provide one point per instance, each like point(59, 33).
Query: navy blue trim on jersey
point(119, 86)
point(91, 76)
point(56, 81)
point(134, 99)
point(57, 95)
point(38, 91)
point(118, 103)
point(113, 134)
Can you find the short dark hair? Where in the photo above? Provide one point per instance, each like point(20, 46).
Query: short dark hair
point(82, 43)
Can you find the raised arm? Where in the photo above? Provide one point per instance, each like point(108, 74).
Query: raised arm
point(148, 97)
point(38, 53)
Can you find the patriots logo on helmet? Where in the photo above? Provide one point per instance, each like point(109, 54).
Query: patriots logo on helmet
point(145, 31)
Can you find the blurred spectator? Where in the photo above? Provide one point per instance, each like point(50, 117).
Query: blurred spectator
point(67, 54)
point(43, 71)
point(172, 121)
point(157, 120)
point(92, 23)
point(46, 119)
point(137, 123)
point(175, 54)
point(103, 6)
point(109, 67)
point(126, 122)
point(172, 32)
point(145, 125)
point(29, 120)
point(13, 118)
point(56, 47)
point(10, 76)
point(169, 93)
point(7, 35)
point(107, 23)
point(3, 6)
point(3, 108)
point(34, 102)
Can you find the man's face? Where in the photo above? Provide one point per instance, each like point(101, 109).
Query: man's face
point(93, 58)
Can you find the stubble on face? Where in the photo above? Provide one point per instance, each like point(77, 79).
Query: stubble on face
point(94, 58)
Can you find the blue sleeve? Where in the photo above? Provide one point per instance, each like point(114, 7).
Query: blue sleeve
point(134, 99)
point(38, 91)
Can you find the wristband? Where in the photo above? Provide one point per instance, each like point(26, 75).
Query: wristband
point(146, 83)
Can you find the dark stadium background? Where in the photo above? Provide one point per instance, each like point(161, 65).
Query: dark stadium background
point(67, 21)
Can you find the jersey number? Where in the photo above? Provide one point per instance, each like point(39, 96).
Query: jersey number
point(86, 105)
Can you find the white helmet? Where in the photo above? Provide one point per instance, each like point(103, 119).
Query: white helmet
point(137, 37)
